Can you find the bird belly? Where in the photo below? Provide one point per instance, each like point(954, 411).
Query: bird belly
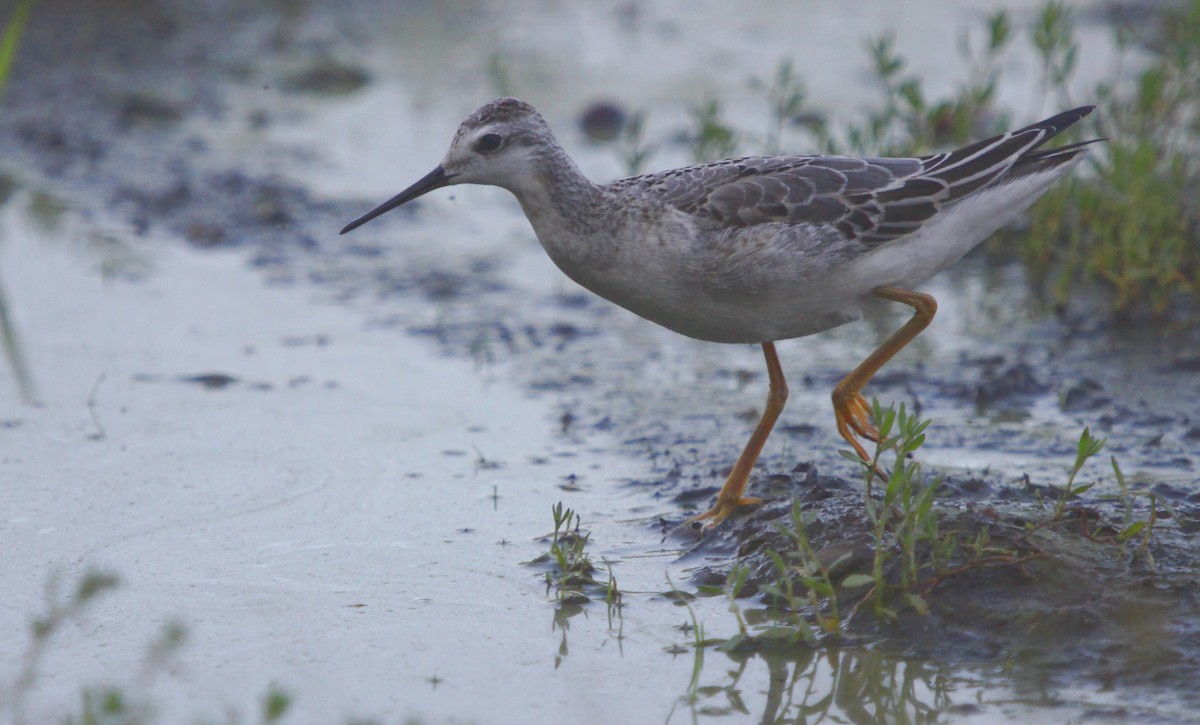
point(756, 294)
point(750, 319)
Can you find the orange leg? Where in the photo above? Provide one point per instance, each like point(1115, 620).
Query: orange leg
point(851, 408)
point(730, 496)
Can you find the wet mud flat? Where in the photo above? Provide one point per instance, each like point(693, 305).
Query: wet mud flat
point(1008, 390)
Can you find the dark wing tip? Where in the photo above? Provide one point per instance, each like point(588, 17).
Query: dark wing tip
point(1058, 123)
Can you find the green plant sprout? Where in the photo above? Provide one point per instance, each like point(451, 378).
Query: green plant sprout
point(613, 603)
point(1088, 446)
point(815, 577)
point(1133, 528)
point(784, 95)
point(567, 551)
point(712, 139)
point(635, 151)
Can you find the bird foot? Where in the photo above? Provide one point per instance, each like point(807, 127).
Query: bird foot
point(853, 414)
point(720, 511)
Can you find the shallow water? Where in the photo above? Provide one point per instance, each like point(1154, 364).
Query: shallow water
point(351, 515)
point(326, 522)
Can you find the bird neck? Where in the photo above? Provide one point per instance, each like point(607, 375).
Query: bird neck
point(563, 205)
point(581, 226)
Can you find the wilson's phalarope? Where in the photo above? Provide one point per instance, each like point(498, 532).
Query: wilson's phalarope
point(762, 248)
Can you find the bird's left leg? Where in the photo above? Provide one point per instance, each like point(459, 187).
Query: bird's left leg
point(730, 497)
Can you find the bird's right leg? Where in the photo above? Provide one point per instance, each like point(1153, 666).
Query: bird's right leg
point(849, 406)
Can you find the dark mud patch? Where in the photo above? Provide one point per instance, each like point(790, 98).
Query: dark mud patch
point(328, 77)
point(1056, 602)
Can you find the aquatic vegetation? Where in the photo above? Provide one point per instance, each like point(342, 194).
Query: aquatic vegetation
point(11, 37)
point(904, 547)
point(632, 146)
point(1132, 225)
point(806, 577)
point(104, 704)
point(712, 138)
point(1088, 447)
point(573, 566)
point(614, 605)
point(904, 516)
point(784, 95)
point(60, 610)
point(1132, 527)
point(908, 121)
point(275, 704)
point(807, 586)
point(810, 685)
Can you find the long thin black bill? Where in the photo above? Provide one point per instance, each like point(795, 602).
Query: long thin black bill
point(435, 179)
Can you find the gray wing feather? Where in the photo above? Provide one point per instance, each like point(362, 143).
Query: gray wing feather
point(872, 200)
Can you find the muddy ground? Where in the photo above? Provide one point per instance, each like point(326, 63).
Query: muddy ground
point(123, 126)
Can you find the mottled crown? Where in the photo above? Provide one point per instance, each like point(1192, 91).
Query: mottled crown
point(524, 124)
point(501, 110)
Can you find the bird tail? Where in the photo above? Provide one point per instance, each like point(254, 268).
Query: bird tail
point(1036, 159)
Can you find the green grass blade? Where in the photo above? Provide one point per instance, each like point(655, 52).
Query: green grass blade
point(12, 38)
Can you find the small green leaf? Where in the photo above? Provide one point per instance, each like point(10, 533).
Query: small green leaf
point(854, 581)
point(839, 561)
point(818, 585)
point(778, 633)
point(999, 30)
point(912, 445)
point(851, 456)
point(780, 565)
point(917, 603)
point(1131, 530)
point(275, 704)
point(1088, 447)
point(1117, 471)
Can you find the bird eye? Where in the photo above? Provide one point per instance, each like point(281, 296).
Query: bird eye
point(488, 142)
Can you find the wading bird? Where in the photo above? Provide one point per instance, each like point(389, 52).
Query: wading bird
point(761, 248)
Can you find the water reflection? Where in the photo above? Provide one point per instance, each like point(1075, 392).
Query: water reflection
point(566, 610)
point(846, 684)
point(562, 623)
